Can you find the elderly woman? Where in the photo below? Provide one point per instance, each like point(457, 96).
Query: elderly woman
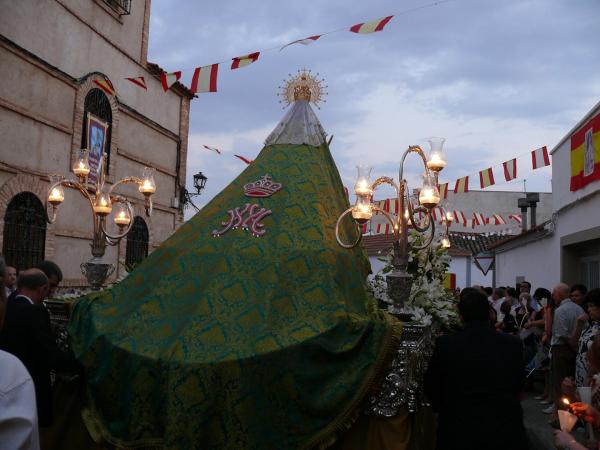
point(588, 325)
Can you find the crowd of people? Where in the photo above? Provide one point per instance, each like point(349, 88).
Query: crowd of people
point(509, 336)
point(558, 335)
point(28, 354)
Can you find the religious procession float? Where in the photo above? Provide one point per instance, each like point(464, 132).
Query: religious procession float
point(254, 326)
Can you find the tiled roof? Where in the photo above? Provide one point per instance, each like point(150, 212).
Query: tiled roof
point(178, 87)
point(474, 243)
point(528, 236)
point(381, 244)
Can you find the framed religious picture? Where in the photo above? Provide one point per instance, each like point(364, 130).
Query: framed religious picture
point(96, 143)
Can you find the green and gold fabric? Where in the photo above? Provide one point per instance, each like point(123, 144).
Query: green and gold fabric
point(237, 341)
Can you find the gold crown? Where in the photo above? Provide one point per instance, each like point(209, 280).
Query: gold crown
point(262, 188)
point(303, 86)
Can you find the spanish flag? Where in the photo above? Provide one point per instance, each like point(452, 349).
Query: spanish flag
point(486, 178)
point(371, 27)
point(585, 154)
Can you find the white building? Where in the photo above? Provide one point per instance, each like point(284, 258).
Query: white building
point(566, 248)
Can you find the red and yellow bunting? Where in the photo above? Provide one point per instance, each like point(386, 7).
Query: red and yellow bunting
point(540, 158)
point(205, 79)
point(243, 61)
point(585, 154)
point(443, 188)
point(486, 178)
point(169, 79)
point(106, 86)
point(462, 185)
point(371, 27)
point(510, 169)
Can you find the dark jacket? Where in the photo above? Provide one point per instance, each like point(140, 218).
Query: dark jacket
point(27, 335)
point(474, 381)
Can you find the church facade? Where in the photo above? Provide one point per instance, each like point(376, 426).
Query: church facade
point(56, 57)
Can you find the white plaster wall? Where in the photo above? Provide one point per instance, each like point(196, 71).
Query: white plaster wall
point(458, 266)
point(538, 262)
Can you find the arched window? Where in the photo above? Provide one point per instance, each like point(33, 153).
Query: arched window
point(97, 104)
point(24, 234)
point(137, 242)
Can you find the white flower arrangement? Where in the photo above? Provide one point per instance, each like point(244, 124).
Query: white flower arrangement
point(429, 302)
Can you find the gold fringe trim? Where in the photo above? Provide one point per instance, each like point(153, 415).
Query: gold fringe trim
point(330, 434)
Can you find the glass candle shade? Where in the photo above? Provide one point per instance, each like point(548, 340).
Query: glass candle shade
point(362, 210)
point(122, 218)
point(81, 168)
point(56, 195)
point(102, 205)
point(148, 186)
point(436, 160)
point(362, 186)
point(429, 196)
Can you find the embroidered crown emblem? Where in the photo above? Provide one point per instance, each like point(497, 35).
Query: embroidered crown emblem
point(262, 188)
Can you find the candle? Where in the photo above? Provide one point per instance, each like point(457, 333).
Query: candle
point(56, 196)
point(436, 162)
point(362, 213)
point(428, 197)
point(449, 216)
point(102, 206)
point(81, 169)
point(147, 187)
point(445, 242)
point(122, 218)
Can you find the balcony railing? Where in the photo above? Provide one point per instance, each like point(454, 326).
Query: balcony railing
point(122, 7)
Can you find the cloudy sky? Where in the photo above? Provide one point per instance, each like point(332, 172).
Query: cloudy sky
point(497, 79)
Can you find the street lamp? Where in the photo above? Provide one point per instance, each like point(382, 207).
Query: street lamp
point(101, 201)
point(199, 182)
point(399, 281)
point(186, 196)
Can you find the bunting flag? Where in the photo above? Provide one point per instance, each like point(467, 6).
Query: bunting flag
point(249, 161)
point(243, 61)
point(486, 178)
point(139, 81)
point(305, 41)
point(169, 79)
point(462, 185)
point(515, 217)
point(371, 27)
point(443, 188)
point(205, 79)
point(498, 219)
point(212, 148)
point(106, 86)
point(585, 154)
point(540, 158)
point(479, 218)
point(510, 169)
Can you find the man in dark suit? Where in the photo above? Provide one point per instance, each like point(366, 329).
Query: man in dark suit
point(473, 383)
point(27, 335)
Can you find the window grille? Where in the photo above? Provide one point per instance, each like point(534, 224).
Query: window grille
point(137, 242)
point(24, 234)
point(122, 7)
point(97, 104)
